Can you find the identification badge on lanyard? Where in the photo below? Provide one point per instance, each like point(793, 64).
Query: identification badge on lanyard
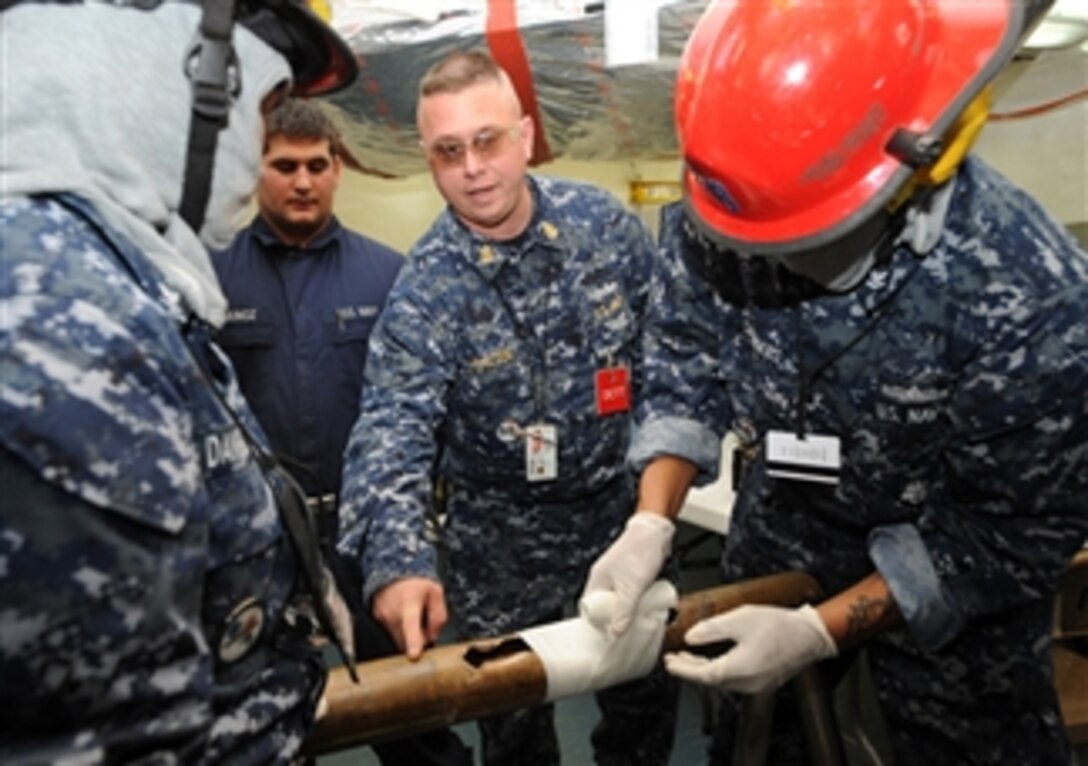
point(541, 452)
point(613, 390)
point(808, 458)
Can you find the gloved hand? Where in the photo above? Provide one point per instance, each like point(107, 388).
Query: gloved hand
point(630, 565)
point(579, 655)
point(772, 645)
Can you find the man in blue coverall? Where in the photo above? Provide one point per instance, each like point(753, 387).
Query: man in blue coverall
point(897, 336)
point(506, 362)
point(304, 294)
point(154, 586)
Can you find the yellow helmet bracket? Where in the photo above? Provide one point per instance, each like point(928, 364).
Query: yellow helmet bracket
point(936, 165)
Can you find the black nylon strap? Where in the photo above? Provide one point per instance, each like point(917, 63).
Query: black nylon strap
point(299, 524)
point(209, 64)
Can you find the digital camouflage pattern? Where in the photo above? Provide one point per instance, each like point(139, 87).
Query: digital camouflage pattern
point(963, 420)
point(144, 574)
point(478, 341)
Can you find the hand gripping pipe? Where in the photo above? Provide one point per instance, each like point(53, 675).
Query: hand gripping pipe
point(396, 697)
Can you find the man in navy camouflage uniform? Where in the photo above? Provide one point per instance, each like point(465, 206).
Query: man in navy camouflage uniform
point(905, 364)
point(505, 362)
point(149, 587)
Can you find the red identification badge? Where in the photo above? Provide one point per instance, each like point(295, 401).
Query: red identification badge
point(613, 390)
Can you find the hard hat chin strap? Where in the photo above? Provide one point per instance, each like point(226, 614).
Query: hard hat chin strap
point(212, 67)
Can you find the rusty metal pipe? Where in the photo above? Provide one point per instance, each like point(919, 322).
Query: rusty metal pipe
point(396, 697)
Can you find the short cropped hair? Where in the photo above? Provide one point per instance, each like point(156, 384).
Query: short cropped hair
point(458, 71)
point(297, 118)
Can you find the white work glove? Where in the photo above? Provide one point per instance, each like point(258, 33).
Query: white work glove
point(772, 645)
point(580, 655)
point(630, 565)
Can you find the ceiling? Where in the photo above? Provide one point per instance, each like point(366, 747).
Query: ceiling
point(589, 111)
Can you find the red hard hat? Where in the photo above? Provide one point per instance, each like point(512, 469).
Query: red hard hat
point(800, 119)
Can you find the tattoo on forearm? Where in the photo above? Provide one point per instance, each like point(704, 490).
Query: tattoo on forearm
point(864, 614)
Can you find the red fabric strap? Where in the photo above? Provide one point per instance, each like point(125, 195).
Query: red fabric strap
point(504, 40)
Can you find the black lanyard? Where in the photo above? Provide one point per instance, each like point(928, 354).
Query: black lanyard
point(806, 378)
point(527, 335)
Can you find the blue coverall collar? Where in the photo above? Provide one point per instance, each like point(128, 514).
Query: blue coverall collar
point(264, 234)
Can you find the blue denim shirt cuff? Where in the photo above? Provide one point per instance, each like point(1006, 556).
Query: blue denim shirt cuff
point(900, 555)
point(680, 437)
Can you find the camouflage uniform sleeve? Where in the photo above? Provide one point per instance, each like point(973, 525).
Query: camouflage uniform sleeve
point(1001, 530)
point(641, 263)
point(391, 455)
point(684, 408)
point(638, 267)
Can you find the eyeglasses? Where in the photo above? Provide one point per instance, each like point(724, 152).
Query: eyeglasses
point(488, 144)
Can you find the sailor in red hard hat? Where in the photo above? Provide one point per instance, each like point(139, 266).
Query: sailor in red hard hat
point(896, 335)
